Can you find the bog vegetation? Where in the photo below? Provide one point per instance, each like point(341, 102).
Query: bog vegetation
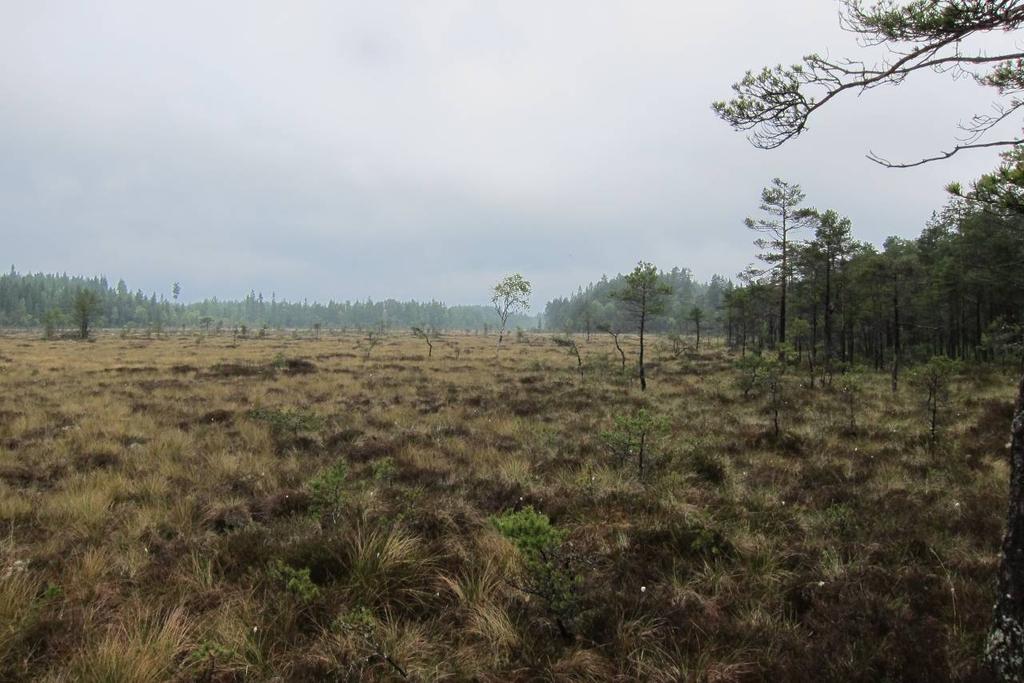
point(203, 508)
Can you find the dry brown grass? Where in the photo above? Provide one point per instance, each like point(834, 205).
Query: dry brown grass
point(148, 485)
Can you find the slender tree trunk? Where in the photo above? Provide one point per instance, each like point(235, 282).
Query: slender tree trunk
point(785, 277)
point(828, 315)
point(1005, 650)
point(622, 354)
point(977, 327)
point(643, 377)
point(812, 356)
point(879, 349)
point(962, 337)
point(895, 335)
point(503, 315)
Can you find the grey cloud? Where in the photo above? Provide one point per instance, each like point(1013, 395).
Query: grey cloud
point(346, 150)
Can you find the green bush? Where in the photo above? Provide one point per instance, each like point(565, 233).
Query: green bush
point(547, 564)
point(383, 469)
point(326, 490)
point(764, 375)
point(530, 531)
point(296, 581)
point(851, 387)
point(751, 367)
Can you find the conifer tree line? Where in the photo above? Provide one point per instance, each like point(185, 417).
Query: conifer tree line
point(955, 290)
point(37, 300)
point(597, 306)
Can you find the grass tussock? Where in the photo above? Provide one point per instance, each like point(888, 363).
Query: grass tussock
point(146, 647)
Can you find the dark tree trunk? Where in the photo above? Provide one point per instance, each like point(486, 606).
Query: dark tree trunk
point(622, 354)
point(977, 327)
point(962, 336)
point(895, 336)
point(828, 316)
point(813, 355)
point(1005, 650)
point(785, 278)
point(782, 310)
point(643, 377)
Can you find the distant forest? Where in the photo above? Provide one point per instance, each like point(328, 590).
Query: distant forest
point(35, 300)
point(956, 290)
point(596, 306)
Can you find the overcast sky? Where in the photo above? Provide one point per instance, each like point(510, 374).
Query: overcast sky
point(423, 149)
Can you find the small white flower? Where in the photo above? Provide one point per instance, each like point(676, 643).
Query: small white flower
point(643, 589)
point(820, 584)
point(255, 628)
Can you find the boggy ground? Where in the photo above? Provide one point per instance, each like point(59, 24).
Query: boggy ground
point(174, 509)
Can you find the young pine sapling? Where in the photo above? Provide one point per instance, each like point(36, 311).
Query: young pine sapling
point(615, 337)
point(633, 437)
point(934, 378)
point(425, 336)
point(569, 344)
point(371, 340)
point(697, 315)
point(851, 387)
point(643, 296)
